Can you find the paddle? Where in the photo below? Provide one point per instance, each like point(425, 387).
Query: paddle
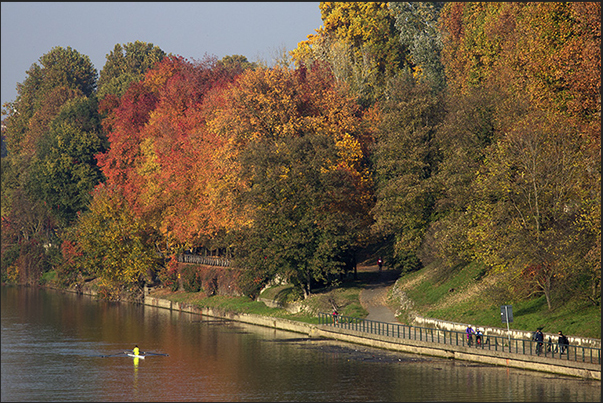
point(149, 353)
point(114, 355)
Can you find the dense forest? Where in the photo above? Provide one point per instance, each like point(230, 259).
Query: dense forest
point(453, 132)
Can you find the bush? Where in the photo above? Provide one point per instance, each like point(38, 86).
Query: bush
point(168, 276)
point(191, 278)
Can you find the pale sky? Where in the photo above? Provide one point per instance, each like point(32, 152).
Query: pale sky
point(257, 30)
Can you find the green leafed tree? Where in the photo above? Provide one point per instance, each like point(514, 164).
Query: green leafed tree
point(47, 94)
point(65, 168)
point(126, 64)
point(417, 23)
point(467, 129)
point(405, 159)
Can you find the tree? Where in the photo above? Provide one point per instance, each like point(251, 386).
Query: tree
point(48, 91)
point(360, 42)
point(404, 162)
point(163, 157)
point(112, 244)
point(297, 148)
point(127, 64)
point(66, 170)
point(548, 50)
point(60, 68)
point(417, 24)
point(531, 194)
point(530, 62)
point(467, 129)
point(236, 63)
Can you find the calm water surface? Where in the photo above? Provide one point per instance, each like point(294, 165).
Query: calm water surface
point(52, 347)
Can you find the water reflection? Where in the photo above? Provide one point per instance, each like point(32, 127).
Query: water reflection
point(53, 347)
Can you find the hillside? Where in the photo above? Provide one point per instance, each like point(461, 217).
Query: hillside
point(469, 296)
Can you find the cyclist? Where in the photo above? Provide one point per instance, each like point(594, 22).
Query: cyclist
point(478, 337)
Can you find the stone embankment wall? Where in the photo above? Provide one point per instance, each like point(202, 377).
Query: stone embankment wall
point(544, 364)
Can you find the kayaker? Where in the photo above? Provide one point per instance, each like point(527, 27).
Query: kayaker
point(136, 350)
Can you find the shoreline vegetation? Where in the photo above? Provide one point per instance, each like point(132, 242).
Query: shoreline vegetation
point(462, 298)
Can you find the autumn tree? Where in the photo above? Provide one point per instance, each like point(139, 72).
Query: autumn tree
point(360, 42)
point(544, 153)
point(110, 243)
point(531, 196)
point(297, 148)
point(162, 155)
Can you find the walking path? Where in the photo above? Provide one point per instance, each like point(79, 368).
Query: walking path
point(374, 297)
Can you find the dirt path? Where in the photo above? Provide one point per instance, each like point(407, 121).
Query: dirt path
point(374, 297)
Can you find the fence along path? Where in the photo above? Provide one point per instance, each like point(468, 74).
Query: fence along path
point(452, 337)
point(206, 260)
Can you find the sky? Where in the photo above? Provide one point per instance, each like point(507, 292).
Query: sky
point(260, 31)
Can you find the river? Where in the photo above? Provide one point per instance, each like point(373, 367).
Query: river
point(53, 345)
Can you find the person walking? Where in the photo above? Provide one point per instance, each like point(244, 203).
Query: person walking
point(539, 339)
point(380, 263)
point(562, 342)
point(470, 332)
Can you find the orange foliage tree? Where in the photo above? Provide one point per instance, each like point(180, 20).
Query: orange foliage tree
point(161, 155)
point(296, 173)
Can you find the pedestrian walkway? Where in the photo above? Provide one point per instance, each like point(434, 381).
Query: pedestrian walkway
point(374, 297)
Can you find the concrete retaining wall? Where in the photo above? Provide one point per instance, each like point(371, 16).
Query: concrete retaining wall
point(543, 364)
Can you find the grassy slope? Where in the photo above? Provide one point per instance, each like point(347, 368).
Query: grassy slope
point(467, 297)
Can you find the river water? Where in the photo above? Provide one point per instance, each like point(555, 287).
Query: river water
point(53, 345)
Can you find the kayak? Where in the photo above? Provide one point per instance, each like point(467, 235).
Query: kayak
point(136, 356)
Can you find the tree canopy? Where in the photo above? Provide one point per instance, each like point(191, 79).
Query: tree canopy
point(450, 132)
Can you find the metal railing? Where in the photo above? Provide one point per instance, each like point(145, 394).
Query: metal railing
point(207, 260)
point(456, 338)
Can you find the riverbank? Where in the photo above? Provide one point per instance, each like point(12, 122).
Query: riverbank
point(542, 364)
point(545, 364)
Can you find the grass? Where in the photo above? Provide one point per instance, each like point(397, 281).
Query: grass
point(346, 298)
point(468, 297)
point(49, 277)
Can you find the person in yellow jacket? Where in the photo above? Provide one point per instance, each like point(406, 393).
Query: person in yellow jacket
point(136, 350)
